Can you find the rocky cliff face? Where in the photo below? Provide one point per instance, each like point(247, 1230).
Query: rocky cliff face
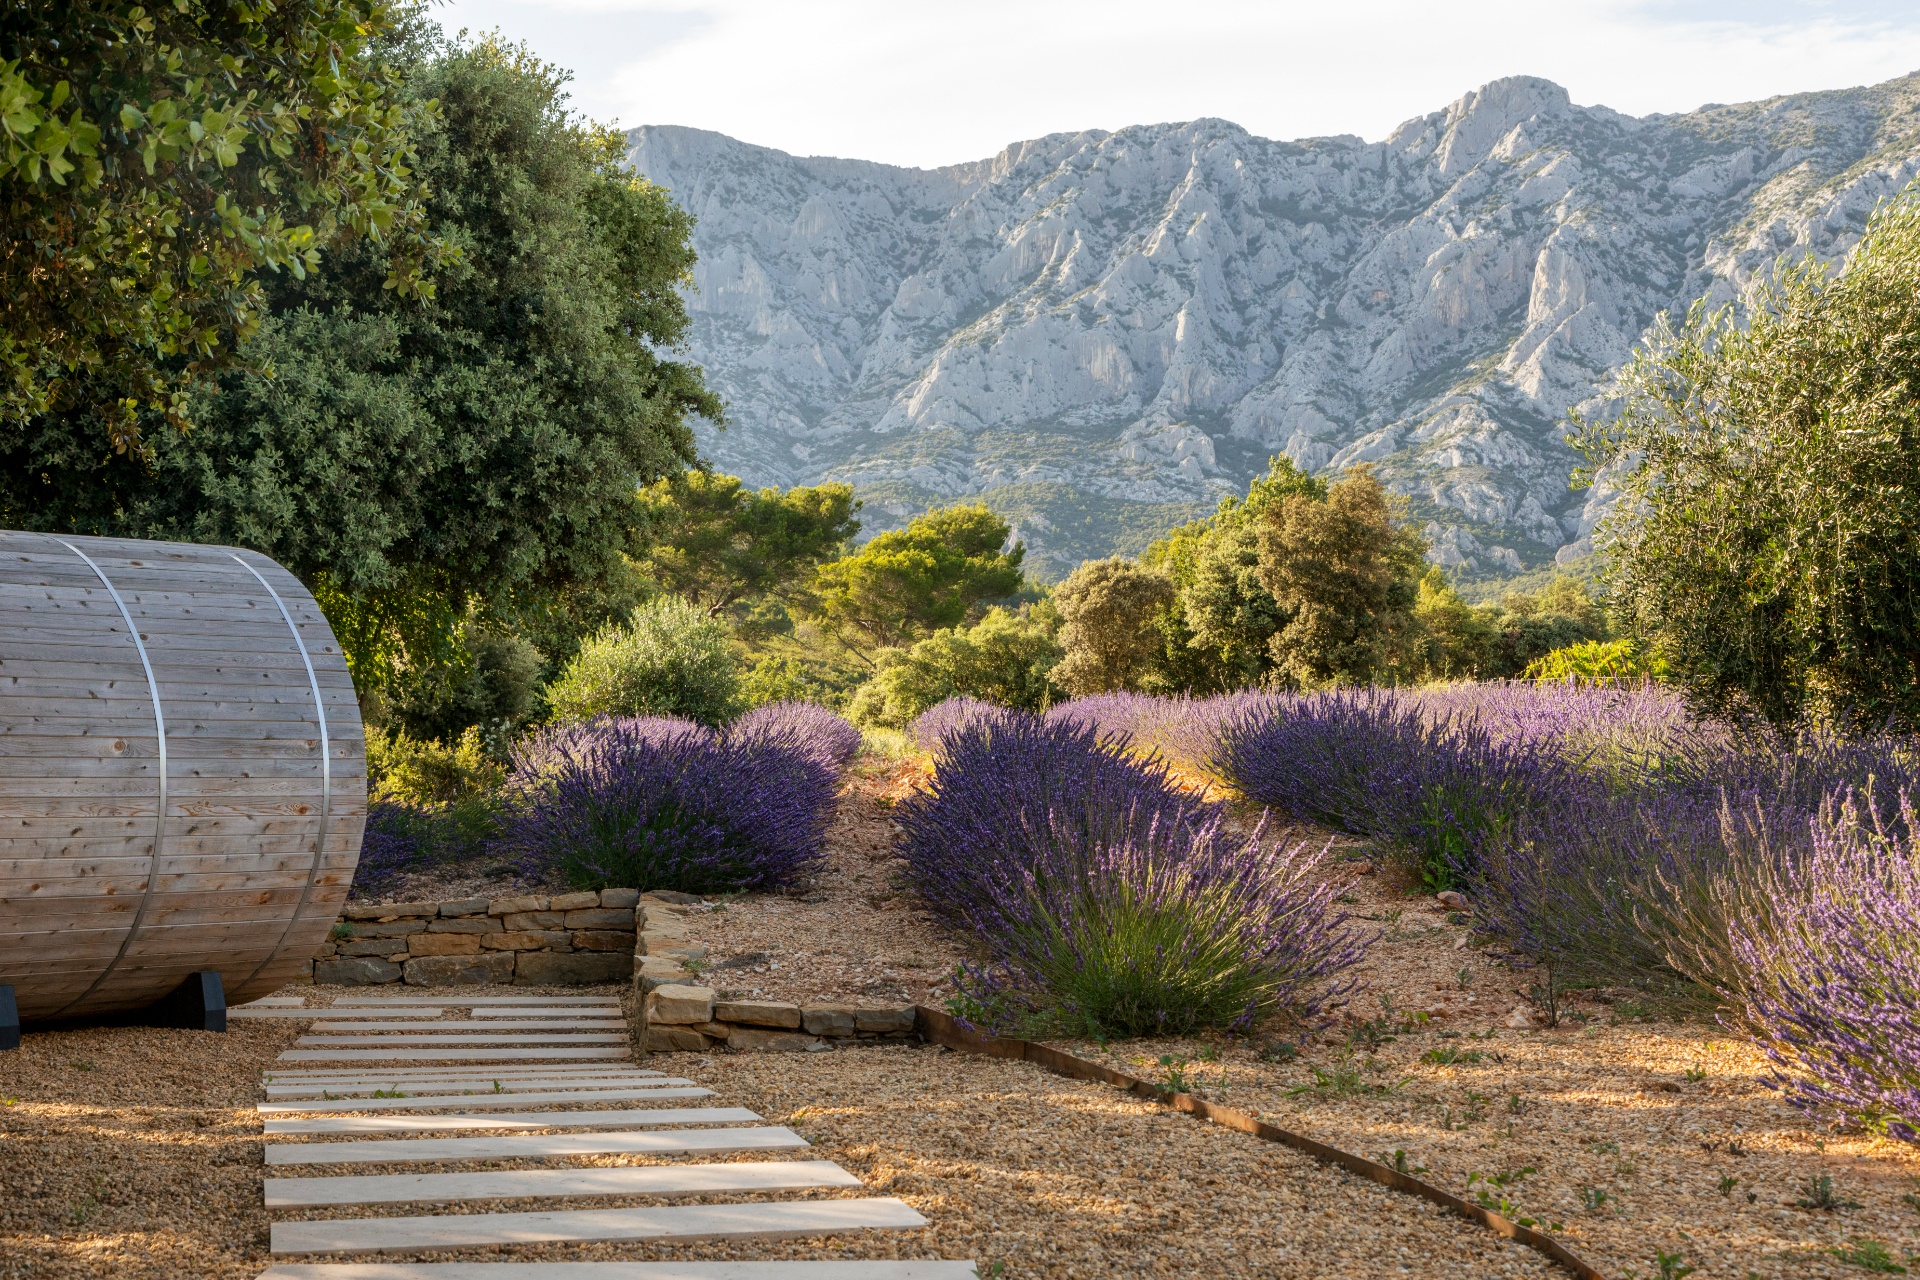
point(1100, 333)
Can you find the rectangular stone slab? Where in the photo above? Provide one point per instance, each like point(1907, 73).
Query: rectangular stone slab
point(244, 1012)
point(504, 1071)
point(484, 1100)
point(914, 1269)
point(512, 1037)
point(663, 1222)
point(516, 1146)
point(465, 1023)
point(636, 1119)
point(450, 1093)
point(269, 1002)
point(448, 1055)
point(515, 1184)
point(465, 1002)
point(463, 1079)
point(522, 1011)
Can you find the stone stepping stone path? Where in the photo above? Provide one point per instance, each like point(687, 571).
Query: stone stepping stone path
point(461, 1023)
point(562, 1052)
point(528, 1184)
point(521, 1146)
point(761, 1221)
point(489, 1099)
point(651, 1117)
point(248, 1011)
point(914, 1270)
point(400, 1054)
point(544, 1037)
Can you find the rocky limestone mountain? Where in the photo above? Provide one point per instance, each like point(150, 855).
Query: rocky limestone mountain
point(1101, 333)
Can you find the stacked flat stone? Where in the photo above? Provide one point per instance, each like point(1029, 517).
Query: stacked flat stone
point(531, 940)
point(677, 1017)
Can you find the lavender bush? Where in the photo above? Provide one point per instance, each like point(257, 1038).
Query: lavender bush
point(805, 727)
point(672, 804)
point(1829, 966)
point(931, 728)
point(1103, 894)
point(404, 837)
point(1183, 730)
point(1433, 792)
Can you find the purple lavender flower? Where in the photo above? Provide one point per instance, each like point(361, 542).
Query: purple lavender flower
point(1099, 889)
point(670, 804)
point(805, 727)
point(1830, 967)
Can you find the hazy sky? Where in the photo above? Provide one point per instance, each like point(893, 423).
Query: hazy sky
point(922, 82)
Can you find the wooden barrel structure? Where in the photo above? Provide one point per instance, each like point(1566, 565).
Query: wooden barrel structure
point(182, 772)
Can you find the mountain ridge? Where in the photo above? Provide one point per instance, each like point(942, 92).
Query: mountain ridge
point(1102, 332)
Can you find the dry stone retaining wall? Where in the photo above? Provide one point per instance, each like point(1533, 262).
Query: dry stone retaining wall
point(531, 940)
point(580, 938)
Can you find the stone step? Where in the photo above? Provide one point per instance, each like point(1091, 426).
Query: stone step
point(915, 1269)
point(585, 1011)
point(502, 1072)
point(559, 1036)
point(244, 1011)
point(342, 1001)
point(439, 1094)
point(533, 1145)
point(516, 1184)
point(452, 1055)
point(583, 1226)
point(634, 1118)
point(465, 1024)
point(270, 1002)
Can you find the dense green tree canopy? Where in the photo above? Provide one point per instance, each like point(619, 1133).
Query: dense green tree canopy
point(1346, 571)
point(1005, 658)
point(1223, 618)
point(1767, 542)
point(410, 454)
point(154, 159)
point(718, 543)
point(908, 583)
point(1111, 637)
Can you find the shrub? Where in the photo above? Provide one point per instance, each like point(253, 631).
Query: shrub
point(1434, 794)
point(1110, 608)
point(670, 659)
point(932, 727)
point(415, 772)
point(672, 804)
point(1829, 971)
point(1186, 731)
point(1004, 659)
point(1105, 896)
point(432, 805)
point(804, 727)
point(1595, 659)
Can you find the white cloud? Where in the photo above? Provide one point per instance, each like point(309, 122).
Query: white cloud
point(928, 83)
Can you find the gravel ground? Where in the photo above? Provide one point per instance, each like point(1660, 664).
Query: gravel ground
point(856, 933)
point(145, 1162)
point(1668, 1122)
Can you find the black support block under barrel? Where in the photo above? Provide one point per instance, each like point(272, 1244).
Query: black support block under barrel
point(199, 1004)
point(9, 1018)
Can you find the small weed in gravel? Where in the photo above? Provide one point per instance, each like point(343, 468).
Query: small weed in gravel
point(1820, 1196)
point(1870, 1254)
point(1727, 1183)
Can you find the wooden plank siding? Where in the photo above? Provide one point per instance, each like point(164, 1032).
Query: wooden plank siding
point(106, 900)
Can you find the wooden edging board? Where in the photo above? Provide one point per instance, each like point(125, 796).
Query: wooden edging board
point(944, 1029)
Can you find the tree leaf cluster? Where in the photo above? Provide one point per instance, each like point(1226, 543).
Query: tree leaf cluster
point(416, 457)
point(153, 161)
point(1767, 454)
